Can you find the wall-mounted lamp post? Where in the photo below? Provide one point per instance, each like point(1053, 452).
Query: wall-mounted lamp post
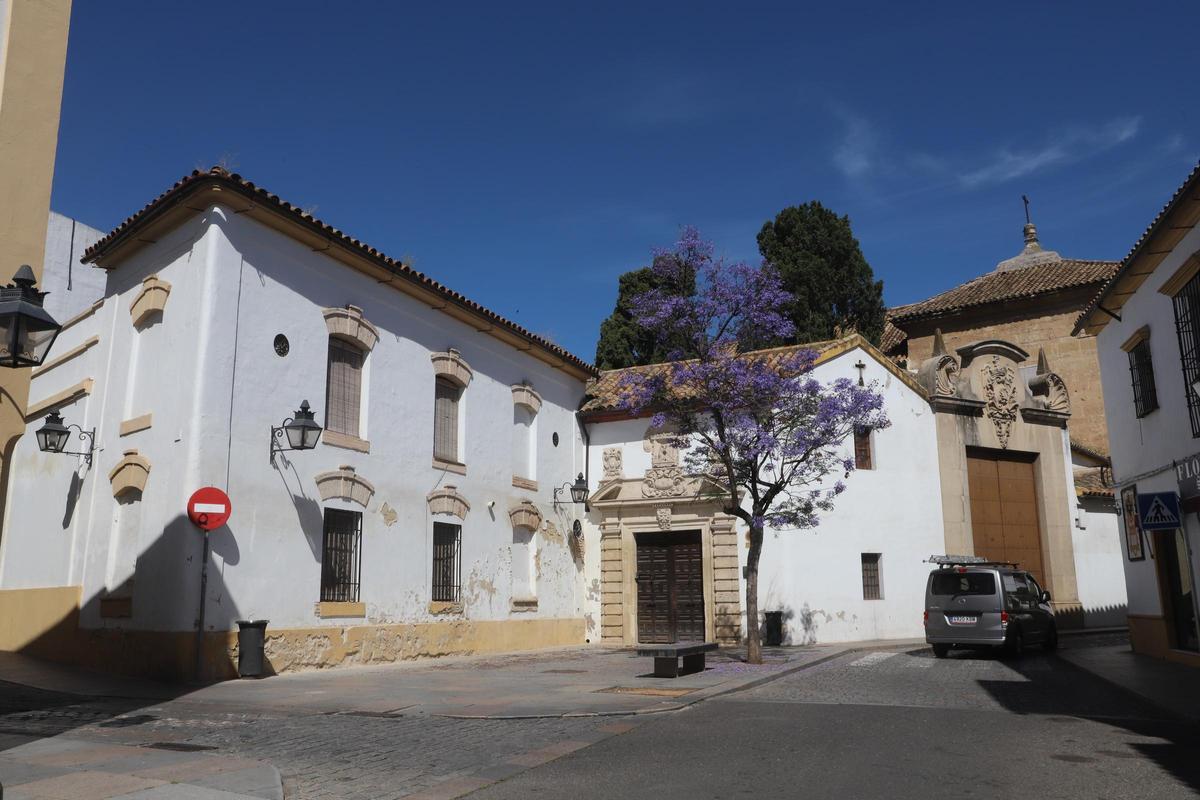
point(53, 435)
point(301, 431)
point(578, 489)
point(26, 329)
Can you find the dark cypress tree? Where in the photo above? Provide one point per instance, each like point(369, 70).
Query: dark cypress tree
point(823, 267)
point(624, 343)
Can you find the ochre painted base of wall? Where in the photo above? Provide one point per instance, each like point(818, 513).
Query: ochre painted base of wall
point(44, 623)
point(1150, 636)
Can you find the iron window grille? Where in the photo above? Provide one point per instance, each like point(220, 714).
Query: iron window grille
point(870, 577)
point(447, 563)
point(862, 448)
point(341, 556)
point(1145, 395)
point(1187, 326)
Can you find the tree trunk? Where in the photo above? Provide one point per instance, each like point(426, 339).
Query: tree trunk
point(753, 630)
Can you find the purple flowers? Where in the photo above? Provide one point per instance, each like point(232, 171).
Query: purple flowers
point(757, 422)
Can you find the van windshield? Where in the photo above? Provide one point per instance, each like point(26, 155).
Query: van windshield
point(952, 583)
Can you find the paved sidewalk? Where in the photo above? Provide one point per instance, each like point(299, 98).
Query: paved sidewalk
point(563, 682)
point(1173, 688)
point(71, 768)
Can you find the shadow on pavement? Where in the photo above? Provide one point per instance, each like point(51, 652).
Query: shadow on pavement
point(1055, 687)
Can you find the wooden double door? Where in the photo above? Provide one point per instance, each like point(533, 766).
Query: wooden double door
point(670, 587)
point(1004, 510)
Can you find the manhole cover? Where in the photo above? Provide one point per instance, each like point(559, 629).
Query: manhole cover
point(564, 671)
point(180, 747)
point(649, 691)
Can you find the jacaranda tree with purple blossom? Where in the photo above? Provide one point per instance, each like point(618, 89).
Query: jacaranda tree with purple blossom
point(757, 424)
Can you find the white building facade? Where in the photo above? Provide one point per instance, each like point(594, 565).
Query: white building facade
point(1147, 321)
point(425, 521)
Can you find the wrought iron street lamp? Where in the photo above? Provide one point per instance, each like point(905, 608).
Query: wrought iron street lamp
point(578, 489)
point(26, 329)
point(53, 435)
point(301, 431)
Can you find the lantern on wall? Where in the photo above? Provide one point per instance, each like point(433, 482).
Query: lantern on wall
point(26, 329)
point(301, 431)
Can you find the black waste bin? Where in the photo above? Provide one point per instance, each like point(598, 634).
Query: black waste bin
point(773, 628)
point(252, 634)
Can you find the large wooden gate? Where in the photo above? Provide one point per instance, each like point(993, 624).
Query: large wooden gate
point(1004, 513)
point(670, 587)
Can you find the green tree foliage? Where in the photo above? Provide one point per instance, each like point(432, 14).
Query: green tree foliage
point(823, 267)
point(624, 343)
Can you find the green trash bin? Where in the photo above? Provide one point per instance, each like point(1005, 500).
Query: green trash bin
point(252, 635)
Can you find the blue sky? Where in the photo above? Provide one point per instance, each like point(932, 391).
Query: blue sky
point(558, 142)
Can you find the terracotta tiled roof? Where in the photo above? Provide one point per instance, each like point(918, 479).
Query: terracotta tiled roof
point(892, 337)
point(1003, 286)
point(1092, 482)
point(1089, 451)
point(239, 186)
point(604, 393)
point(1186, 191)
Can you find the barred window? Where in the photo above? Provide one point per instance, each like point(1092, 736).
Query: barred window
point(1187, 326)
point(447, 562)
point(447, 395)
point(1145, 396)
point(870, 577)
point(341, 556)
point(862, 448)
point(343, 387)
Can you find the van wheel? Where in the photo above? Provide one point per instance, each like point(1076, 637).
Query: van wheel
point(1051, 643)
point(941, 650)
point(1015, 645)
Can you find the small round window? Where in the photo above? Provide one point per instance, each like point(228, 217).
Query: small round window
point(554, 438)
point(281, 345)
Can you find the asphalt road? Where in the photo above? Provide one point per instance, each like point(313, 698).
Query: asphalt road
point(893, 725)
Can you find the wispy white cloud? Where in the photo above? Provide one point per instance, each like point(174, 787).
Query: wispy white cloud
point(855, 155)
point(1070, 145)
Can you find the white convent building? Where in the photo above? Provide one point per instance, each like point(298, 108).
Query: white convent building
point(425, 521)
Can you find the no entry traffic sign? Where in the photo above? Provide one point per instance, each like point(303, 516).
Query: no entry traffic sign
point(208, 508)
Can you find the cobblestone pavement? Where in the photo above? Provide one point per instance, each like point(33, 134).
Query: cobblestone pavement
point(339, 755)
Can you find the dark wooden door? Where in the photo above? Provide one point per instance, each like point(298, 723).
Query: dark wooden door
point(670, 586)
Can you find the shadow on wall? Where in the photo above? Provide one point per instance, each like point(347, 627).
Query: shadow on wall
point(139, 620)
point(1112, 616)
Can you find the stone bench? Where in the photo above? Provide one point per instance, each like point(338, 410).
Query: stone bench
point(666, 657)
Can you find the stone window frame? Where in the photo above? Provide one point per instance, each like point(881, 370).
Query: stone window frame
point(525, 396)
point(527, 517)
point(350, 327)
point(449, 367)
point(344, 483)
point(151, 299)
point(446, 501)
point(129, 474)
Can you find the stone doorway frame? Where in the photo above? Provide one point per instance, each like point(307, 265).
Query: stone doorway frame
point(625, 512)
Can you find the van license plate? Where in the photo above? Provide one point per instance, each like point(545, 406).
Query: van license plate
point(962, 620)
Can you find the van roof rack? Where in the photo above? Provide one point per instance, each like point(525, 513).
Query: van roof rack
point(967, 561)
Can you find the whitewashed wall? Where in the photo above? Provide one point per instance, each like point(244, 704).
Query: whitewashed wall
point(210, 376)
point(72, 286)
point(815, 577)
point(1150, 444)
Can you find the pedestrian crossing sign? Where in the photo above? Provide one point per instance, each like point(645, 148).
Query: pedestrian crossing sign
point(1159, 511)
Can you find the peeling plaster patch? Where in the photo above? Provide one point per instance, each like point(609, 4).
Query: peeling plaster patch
point(389, 515)
point(537, 562)
point(593, 589)
point(552, 534)
point(590, 623)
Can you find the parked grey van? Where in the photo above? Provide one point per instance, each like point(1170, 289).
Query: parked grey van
point(973, 602)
